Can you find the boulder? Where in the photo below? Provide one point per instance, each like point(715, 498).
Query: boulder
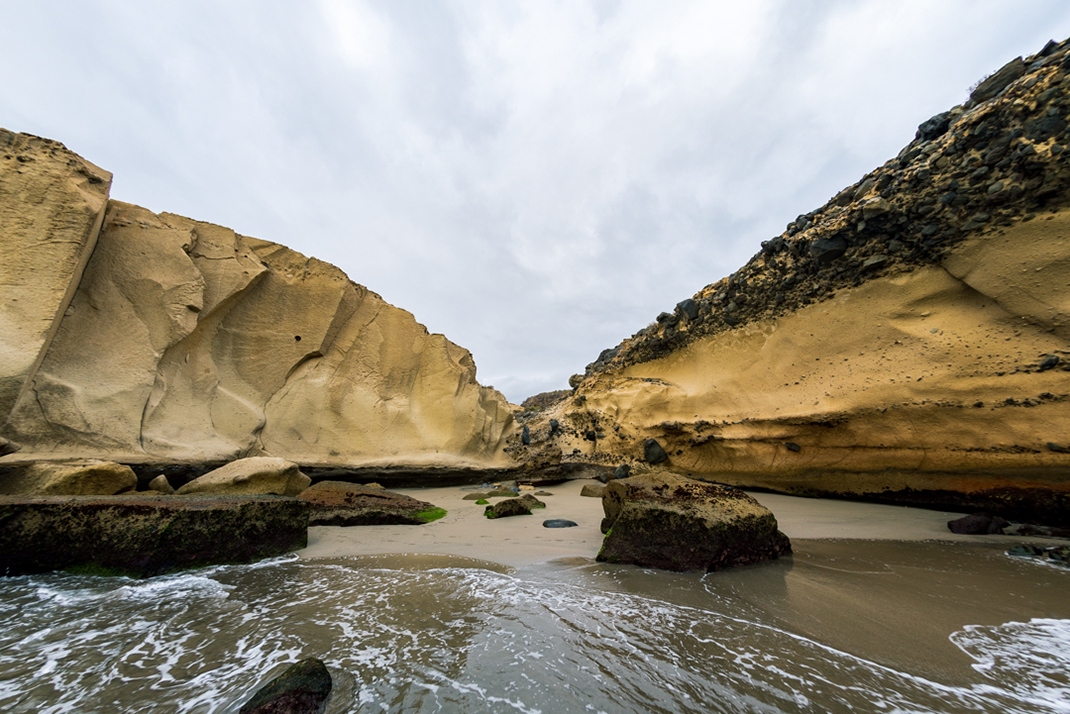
point(145, 535)
point(475, 496)
point(254, 475)
point(303, 688)
point(663, 520)
point(84, 477)
point(977, 524)
point(161, 485)
point(531, 501)
point(592, 490)
point(653, 453)
point(558, 523)
point(508, 507)
point(336, 503)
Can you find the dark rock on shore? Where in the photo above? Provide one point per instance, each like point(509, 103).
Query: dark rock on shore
point(336, 503)
point(977, 524)
point(664, 520)
point(513, 507)
point(303, 688)
point(1059, 554)
point(559, 523)
point(142, 536)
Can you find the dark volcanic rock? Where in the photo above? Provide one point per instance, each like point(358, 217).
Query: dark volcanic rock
point(826, 250)
point(558, 523)
point(145, 535)
point(977, 524)
point(653, 453)
point(664, 520)
point(508, 507)
point(336, 503)
point(304, 688)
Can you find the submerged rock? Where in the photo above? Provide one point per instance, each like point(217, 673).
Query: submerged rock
point(664, 520)
point(84, 477)
point(336, 503)
point(303, 688)
point(145, 535)
point(255, 475)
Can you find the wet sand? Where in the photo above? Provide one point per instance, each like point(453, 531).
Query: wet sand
point(522, 540)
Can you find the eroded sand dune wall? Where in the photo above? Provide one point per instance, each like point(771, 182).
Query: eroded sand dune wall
point(184, 341)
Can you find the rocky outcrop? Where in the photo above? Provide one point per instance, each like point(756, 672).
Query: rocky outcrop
point(335, 503)
point(85, 477)
point(145, 535)
point(513, 507)
point(51, 208)
point(255, 475)
point(663, 520)
point(184, 341)
point(304, 688)
point(907, 342)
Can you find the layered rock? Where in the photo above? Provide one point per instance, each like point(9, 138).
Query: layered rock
point(185, 341)
point(663, 520)
point(336, 503)
point(83, 477)
point(145, 535)
point(909, 341)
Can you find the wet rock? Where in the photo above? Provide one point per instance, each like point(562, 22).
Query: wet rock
point(303, 688)
point(559, 523)
point(977, 524)
point(160, 484)
point(1035, 531)
point(145, 535)
point(999, 80)
point(508, 507)
point(337, 503)
point(82, 477)
point(592, 490)
point(1049, 362)
point(255, 475)
point(653, 453)
point(1058, 555)
point(664, 520)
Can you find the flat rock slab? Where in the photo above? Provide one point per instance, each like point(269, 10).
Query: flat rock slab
point(337, 503)
point(664, 520)
point(145, 535)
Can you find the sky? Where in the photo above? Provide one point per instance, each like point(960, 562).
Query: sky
point(536, 180)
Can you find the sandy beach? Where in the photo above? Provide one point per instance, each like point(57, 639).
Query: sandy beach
point(522, 540)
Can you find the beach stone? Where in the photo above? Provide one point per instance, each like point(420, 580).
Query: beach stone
point(1049, 362)
point(663, 520)
point(254, 475)
point(475, 496)
point(511, 486)
point(145, 535)
point(1028, 529)
point(559, 523)
point(543, 493)
point(592, 490)
point(83, 477)
point(653, 453)
point(532, 502)
point(303, 688)
point(338, 503)
point(977, 524)
point(501, 493)
point(160, 484)
point(508, 507)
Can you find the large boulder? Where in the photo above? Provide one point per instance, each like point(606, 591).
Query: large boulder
point(85, 477)
point(663, 520)
point(145, 535)
point(336, 503)
point(255, 475)
point(303, 688)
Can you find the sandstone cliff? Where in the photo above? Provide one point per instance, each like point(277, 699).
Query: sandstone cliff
point(143, 337)
point(909, 341)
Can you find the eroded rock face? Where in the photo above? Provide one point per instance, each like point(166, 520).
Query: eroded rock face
point(255, 475)
point(664, 520)
point(336, 503)
point(84, 477)
point(51, 207)
point(185, 341)
point(145, 535)
point(916, 366)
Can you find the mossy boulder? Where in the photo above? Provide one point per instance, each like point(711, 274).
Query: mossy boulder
point(337, 503)
point(141, 535)
point(663, 520)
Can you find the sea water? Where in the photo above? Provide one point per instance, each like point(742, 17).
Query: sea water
point(819, 632)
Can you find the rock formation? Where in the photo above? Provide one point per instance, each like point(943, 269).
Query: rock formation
point(909, 341)
point(154, 338)
point(336, 503)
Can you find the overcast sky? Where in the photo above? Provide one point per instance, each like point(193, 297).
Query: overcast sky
point(535, 180)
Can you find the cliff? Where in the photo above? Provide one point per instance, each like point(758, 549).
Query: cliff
point(154, 338)
point(905, 342)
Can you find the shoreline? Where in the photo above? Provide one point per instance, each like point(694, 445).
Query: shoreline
point(522, 540)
